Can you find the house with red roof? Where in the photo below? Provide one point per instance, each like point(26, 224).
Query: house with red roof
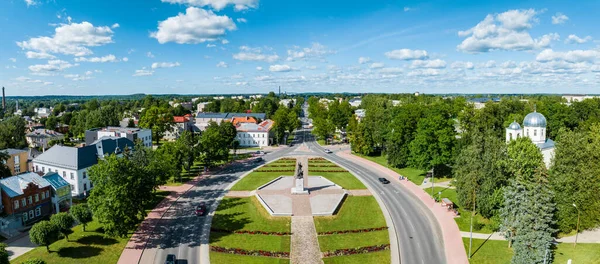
point(255, 135)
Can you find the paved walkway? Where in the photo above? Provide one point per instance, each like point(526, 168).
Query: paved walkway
point(453, 245)
point(588, 236)
point(19, 245)
point(305, 245)
point(445, 184)
point(240, 193)
point(359, 192)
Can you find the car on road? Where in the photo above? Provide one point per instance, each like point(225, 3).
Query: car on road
point(328, 151)
point(171, 259)
point(257, 160)
point(200, 209)
point(260, 152)
point(384, 180)
point(291, 144)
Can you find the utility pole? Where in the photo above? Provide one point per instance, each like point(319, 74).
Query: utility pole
point(432, 177)
point(577, 230)
point(471, 235)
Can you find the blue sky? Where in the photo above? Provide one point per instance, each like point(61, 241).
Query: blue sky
point(83, 47)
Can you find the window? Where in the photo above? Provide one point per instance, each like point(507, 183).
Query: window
point(527, 132)
point(37, 168)
point(43, 195)
point(17, 168)
point(23, 202)
point(84, 175)
point(17, 160)
point(71, 175)
point(72, 188)
point(85, 186)
point(37, 197)
point(38, 211)
point(30, 199)
point(43, 169)
point(16, 204)
point(535, 132)
point(542, 133)
point(31, 215)
point(48, 194)
point(25, 218)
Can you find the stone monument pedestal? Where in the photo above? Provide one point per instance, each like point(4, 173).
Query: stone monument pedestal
point(299, 188)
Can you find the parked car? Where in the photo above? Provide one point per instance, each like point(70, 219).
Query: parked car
point(260, 152)
point(200, 209)
point(384, 180)
point(171, 259)
point(328, 151)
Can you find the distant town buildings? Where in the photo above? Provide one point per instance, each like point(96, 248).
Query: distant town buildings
point(17, 161)
point(360, 114)
point(200, 107)
point(203, 119)
point(480, 101)
point(577, 97)
point(133, 134)
point(180, 124)
point(43, 112)
point(355, 102)
point(39, 138)
point(534, 127)
point(286, 102)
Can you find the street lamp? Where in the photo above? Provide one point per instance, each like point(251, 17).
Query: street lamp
point(577, 230)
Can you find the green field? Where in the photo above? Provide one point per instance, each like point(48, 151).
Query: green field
point(492, 252)
point(333, 242)
point(377, 257)
point(357, 212)
point(247, 214)
point(414, 175)
point(256, 179)
point(344, 179)
point(481, 224)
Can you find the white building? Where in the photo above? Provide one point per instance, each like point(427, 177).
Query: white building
point(255, 135)
point(133, 134)
point(203, 119)
point(577, 97)
point(180, 124)
point(286, 102)
point(200, 107)
point(355, 102)
point(360, 114)
point(534, 127)
point(42, 111)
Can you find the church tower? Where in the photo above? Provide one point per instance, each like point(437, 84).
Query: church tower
point(513, 131)
point(534, 127)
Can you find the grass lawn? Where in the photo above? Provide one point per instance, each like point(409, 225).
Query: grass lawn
point(498, 252)
point(90, 245)
point(251, 242)
point(344, 179)
point(222, 258)
point(464, 221)
point(414, 175)
point(357, 212)
point(377, 257)
point(322, 142)
point(333, 242)
point(256, 179)
point(186, 176)
point(247, 214)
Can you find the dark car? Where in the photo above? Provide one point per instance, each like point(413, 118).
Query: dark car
point(384, 180)
point(171, 259)
point(200, 209)
point(259, 159)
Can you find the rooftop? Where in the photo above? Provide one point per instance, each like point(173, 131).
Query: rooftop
point(55, 180)
point(69, 157)
point(128, 130)
point(44, 133)
point(13, 151)
point(264, 126)
point(14, 185)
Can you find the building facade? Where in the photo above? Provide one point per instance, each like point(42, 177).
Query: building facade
point(255, 135)
point(39, 138)
point(133, 134)
point(534, 128)
point(62, 199)
point(17, 163)
point(180, 124)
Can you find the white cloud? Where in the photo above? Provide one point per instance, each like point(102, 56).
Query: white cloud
point(391, 70)
point(559, 18)
point(238, 5)
point(222, 64)
point(107, 58)
point(259, 68)
point(437, 64)
point(424, 72)
point(254, 54)
point(241, 83)
point(376, 65)
point(311, 67)
point(406, 9)
point(210, 45)
point(316, 50)
point(48, 83)
point(53, 65)
point(31, 3)
point(157, 65)
point(71, 39)
point(462, 65)
point(39, 55)
point(29, 80)
point(115, 25)
point(77, 77)
point(12, 59)
point(195, 26)
point(143, 72)
point(89, 73)
point(573, 56)
point(488, 64)
point(125, 59)
point(363, 60)
point(242, 20)
point(280, 68)
point(505, 31)
point(574, 39)
point(407, 54)
point(263, 78)
point(149, 54)
point(224, 41)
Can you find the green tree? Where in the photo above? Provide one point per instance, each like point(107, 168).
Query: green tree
point(281, 123)
point(12, 133)
point(63, 222)
point(402, 129)
point(51, 123)
point(293, 122)
point(122, 189)
point(4, 254)
point(131, 123)
point(158, 119)
point(43, 233)
point(323, 128)
point(4, 170)
point(215, 147)
point(434, 141)
point(82, 214)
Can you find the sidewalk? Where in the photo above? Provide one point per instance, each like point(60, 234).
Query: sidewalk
point(445, 184)
point(453, 244)
point(587, 236)
point(19, 245)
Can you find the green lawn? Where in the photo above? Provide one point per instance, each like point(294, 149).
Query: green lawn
point(333, 242)
point(247, 214)
point(357, 212)
point(414, 175)
point(488, 252)
point(90, 245)
point(344, 179)
point(377, 257)
point(481, 224)
point(222, 258)
point(256, 179)
point(186, 176)
point(322, 142)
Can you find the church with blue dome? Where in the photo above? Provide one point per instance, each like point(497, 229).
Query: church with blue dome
point(534, 127)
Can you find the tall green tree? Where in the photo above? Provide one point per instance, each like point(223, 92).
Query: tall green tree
point(82, 214)
point(281, 123)
point(159, 119)
point(402, 129)
point(63, 222)
point(215, 144)
point(12, 133)
point(434, 141)
point(43, 233)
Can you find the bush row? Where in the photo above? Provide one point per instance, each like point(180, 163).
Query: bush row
point(338, 170)
point(279, 165)
point(354, 251)
point(275, 170)
point(319, 158)
point(366, 230)
point(244, 252)
point(324, 165)
point(251, 232)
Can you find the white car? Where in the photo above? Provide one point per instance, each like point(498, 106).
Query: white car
point(328, 151)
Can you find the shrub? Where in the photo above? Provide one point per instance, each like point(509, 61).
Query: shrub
point(3, 254)
point(354, 251)
point(366, 230)
point(477, 226)
point(251, 232)
point(244, 252)
point(34, 261)
point(43, 233)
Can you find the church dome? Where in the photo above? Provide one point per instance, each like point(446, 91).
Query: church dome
point(514, 126)
point(534, 119)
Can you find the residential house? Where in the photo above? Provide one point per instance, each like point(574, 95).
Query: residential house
point(246, 119)
point(360, 114)
point(480, 101)
point(355, 102)
point(17, 163)
point(287, 102)
point(39, 138)
point(180, 124)
point(26, 199)
point(133, 134)
point(61, 192)
point(203, 119)
point(200, 107)
point(577, 97)
point(43, 112)
point(255, 135)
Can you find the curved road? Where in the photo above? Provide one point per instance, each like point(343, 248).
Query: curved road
point(180, 232)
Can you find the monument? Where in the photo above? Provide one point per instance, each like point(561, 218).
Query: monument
point(299, 188)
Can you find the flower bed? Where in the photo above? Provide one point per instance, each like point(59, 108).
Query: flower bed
point(275, 170)
point(354, 251)
point(353, 231)
point(325, 165)
point(338, 170)
point(287, 159)
point(279, 165)
point(319, 158)
point(251, 232)
point(244, 252)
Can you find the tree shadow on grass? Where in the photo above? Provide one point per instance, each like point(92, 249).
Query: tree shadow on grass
point(230, 222)
point(80, 252)
point(97, 240)
point(480, 246)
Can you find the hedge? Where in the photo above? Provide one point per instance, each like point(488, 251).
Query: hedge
point(366, 230)
point(244, 252)
point(251, 232)
point(354, 251)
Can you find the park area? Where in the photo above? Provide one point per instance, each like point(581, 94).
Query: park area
point(265, 174)
point(332, 172)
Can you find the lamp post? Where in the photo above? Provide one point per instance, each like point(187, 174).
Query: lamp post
point(577, 230)
point(432, 177)
point(471, 235)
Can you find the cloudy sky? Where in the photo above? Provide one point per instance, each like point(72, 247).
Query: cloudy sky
point(253, 46)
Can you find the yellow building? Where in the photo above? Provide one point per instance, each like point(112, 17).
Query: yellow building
point(17, 163)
